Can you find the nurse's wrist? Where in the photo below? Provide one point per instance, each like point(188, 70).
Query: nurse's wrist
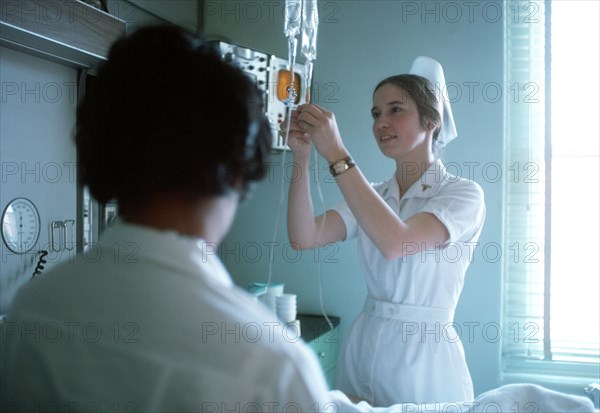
point(301, 159)
point(337, 155)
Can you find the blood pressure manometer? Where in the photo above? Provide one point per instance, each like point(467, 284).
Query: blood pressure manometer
point(20, 225)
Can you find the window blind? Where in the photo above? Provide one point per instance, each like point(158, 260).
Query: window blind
point(527, 345)
point(524, 203)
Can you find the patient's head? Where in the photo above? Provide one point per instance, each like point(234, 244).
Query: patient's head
point(166, 116)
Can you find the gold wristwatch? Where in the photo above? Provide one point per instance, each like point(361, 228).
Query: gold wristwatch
point(341, 166)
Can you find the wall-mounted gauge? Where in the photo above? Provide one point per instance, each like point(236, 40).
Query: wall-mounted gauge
point(20, 225)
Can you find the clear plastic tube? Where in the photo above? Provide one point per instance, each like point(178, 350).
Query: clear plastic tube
point(308, 71)
point(291, 29)
point(320, 270)
point(310, 25)
point(291, 99)
point(296, 12)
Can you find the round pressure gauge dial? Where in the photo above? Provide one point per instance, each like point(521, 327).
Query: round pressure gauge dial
point(20, 225)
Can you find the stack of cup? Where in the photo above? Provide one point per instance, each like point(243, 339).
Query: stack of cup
point(270, 298)
point(285, 305)
point(291, 331)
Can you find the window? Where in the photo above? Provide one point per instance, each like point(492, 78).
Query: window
point(551, 207)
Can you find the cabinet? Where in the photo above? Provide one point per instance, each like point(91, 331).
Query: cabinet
point(68, 32)
point(322, 340)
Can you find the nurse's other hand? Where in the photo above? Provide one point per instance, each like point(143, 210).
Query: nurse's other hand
point(298, 139)
point(321, 126)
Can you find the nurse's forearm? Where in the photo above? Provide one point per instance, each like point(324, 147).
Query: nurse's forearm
point(388, 232)
point(302, 228)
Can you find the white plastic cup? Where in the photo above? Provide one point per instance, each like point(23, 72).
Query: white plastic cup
point(286, 298)
point(286, 307)
point(292, 331)
point(270, 297)
point(287, 317)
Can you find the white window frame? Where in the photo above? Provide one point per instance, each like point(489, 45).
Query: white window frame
point(526, 348)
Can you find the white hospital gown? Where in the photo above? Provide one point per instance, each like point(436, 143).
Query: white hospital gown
point(403, 347)
point(150, 321)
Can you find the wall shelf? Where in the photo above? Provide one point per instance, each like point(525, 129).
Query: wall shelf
point(69, 32)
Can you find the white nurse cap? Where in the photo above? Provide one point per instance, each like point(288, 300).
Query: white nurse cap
point(432, 70)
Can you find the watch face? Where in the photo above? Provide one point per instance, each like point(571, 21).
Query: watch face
point(340, 167)
point(20, 225)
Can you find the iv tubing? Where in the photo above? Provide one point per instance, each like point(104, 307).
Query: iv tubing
point(308, 69)
point(322, 199)
point(310, 23)
point(292, 43)
point(279, 207)
point(291, 30)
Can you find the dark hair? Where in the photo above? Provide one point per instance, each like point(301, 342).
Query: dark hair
point(167, 115)
point(422, 93)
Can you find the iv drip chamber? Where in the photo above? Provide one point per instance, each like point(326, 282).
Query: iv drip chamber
point(293, 18)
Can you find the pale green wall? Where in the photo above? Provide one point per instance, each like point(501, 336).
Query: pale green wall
point(37, 156)
point(361, 42)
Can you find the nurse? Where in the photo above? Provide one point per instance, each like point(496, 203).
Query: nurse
point(416, 234)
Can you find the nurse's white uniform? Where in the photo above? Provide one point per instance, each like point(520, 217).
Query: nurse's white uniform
point(403, 346)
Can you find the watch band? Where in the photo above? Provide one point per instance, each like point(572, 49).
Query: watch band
point(341, 166)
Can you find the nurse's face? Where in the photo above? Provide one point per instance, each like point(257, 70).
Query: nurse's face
point(397, 126)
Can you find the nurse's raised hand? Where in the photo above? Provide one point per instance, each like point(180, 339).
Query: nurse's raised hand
point(321, 126)
point(298, 139)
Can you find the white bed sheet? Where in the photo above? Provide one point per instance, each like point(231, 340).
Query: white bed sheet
point(511, 398)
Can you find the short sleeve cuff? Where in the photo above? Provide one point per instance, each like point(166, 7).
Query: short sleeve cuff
point(348, 217)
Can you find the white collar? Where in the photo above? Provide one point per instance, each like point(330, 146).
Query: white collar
point(188, 255)
point(426, 186)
